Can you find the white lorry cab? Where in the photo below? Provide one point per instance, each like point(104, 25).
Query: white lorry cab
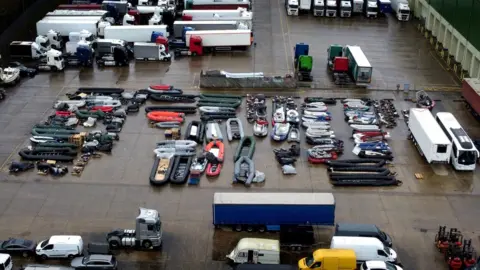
point(5, 262)
point(366, 248)
point(292, 7)
point(256, 250)
point(60, 246)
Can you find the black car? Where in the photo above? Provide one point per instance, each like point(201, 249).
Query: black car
point(15, 246)
point(24, 70)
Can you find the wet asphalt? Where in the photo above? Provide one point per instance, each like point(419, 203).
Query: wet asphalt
point(110, 190)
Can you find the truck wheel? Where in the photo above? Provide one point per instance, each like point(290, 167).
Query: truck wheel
point(194, 54)
point(54, 68)
point(250, 229)
point(261, 229)
point(147, 244)
point(44, 257)
point(114, 244)
point(238, 228)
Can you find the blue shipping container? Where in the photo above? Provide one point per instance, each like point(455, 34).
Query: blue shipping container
point(274, 209)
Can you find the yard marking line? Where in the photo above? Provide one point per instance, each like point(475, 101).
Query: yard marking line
point(290, 45)
point(283, 35)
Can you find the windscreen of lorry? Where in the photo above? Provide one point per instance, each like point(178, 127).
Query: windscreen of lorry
point(345, 8)
point(293, 6)
point(404, 11)
point(467, 157)
point(318, 7)
point(372, 9)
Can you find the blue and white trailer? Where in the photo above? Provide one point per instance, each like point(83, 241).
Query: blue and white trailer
point(272, 211)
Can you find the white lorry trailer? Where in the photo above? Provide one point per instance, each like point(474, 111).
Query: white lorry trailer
point(65, 27)
point(319, 8)
point(27, 49)
point(218, 39)
point(178, 26)
point(305, 6)
point(75, 39)
point(428, 137)
point(70, 12)
point(291, 7)
point(345, 8)
point(134, 33)
point(401, 9)
point(357, 6)
point(208, 14)
point(370, 9)
point(331, 10)
point(150, 52)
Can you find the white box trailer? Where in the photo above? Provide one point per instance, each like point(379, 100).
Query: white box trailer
point(134, 33)
point(207, 14)
point(65, 27)
point(222, 38)
point(305, 5)
point(428, 137)
point(178, 26)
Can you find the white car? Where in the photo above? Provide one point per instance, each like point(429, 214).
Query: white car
point(379, 265)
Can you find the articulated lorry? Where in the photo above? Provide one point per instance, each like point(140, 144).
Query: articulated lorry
point(344, 8)
point(338, 65)
point(216, 4)
point(401, 9)
point(428, 136)
point(471, 93)
point(272, 211)
point(134, 33)
point(204, 15)
point(370, 9)
point(291, 7)
point(178, 26)
point(319, 8)
point(359, 67)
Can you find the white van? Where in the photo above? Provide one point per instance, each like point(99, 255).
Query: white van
point(45, 267)
point(366, 248)
point(256, 250)
point(60, 246)
point(5, 262)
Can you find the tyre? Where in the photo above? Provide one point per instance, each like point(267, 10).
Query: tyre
point(250, 229)
point(262, 229)
point(194, 54)
point(114, 244)
point(44, 257)
point(238, 228)
point(147, 244)
point(25, 254)
point(70, 256)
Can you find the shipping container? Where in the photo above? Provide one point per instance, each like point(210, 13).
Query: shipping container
point(358, 65)
point(222, 38)
point(471, 93)
point(134, 33)
point(428, 137)
point(269, 211)
point(203, 25)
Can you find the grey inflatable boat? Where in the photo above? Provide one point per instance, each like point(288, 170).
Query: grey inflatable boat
point(244, 171)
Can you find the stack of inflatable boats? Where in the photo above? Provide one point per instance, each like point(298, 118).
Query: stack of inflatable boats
point(361, 172)
point(218, 107)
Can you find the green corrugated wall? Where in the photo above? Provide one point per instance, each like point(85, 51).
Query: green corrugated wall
point(464, 15)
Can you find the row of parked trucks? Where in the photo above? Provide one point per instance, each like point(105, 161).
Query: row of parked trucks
point(345, 8)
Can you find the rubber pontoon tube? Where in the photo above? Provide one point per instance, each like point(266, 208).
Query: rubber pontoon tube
point(173, 151)
point(167, 125)
point(378, 164)
point(360, 176)
point(329, 101)
point(57, 145)
point(97, 90)
point(216, 109)
point(29, 155)
point(177, 143)
point(367, 182)
point(357, 168)
point(202, 103)
point(173, 98)
point(42, 126)
point(234, 129)
point(238, 169)
point(181, 170)
point(358, 161)
point(207, 118)
point(64, 150)
point(388, 156)
point(181, 109)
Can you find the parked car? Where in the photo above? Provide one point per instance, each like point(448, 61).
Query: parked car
point(379, 265)
point(95, 261)
point(24, 70)
point(15, 246)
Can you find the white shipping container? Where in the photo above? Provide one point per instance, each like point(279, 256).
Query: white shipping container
point(429, 138)
point(134, 33)
point(222, 38)
point(64, 27)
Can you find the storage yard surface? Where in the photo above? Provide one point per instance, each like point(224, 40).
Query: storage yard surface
point(111, 188)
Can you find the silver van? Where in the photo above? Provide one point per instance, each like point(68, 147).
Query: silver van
point(362, 230)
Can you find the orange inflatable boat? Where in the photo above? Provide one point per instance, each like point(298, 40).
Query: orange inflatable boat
point(217, 148)
point(165, 116)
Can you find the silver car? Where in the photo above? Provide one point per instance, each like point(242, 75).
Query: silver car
point(95, 261)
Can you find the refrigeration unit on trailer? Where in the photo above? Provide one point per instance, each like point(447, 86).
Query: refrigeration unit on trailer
point(221, 39)
point(464, 153)
point(401, 9)
point(271, 211)
point(319, 8)
point(65, 27)
point(178, 26)
point(305, 6)
point(291, 6)
point(331, 10)
point(134, 33)
point(357, 6)
point(428, 137)
point(217, 4)
point(358, 65)
point(370, 9)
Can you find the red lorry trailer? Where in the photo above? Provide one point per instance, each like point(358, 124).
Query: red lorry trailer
point(471, 93)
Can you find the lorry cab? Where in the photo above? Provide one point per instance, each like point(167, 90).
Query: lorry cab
point(370, 9)
point(256, 251)
point(365, 248)
point(5, 262)
point(331, 8)
point(53, 60)
point(319, 8)
point(329, 259)
point(345, 8)
point(403, 12)
point(292, 7)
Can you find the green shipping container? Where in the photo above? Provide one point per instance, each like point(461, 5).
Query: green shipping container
point(358, 65)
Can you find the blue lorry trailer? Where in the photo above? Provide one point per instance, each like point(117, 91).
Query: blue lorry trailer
point(272, 211)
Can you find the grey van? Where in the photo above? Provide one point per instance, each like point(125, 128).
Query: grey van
point(362, 230)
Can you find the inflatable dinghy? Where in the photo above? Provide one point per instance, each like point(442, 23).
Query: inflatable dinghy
point(294, 135)
point(260, 128)
point(280, 131)
point(32, 155)
point(213, 132)
point(245, 148)
point(181, 170)
point(163, 89)
point(162, 167)
point(244, 171)
point(195, 131)
point(234, 129)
